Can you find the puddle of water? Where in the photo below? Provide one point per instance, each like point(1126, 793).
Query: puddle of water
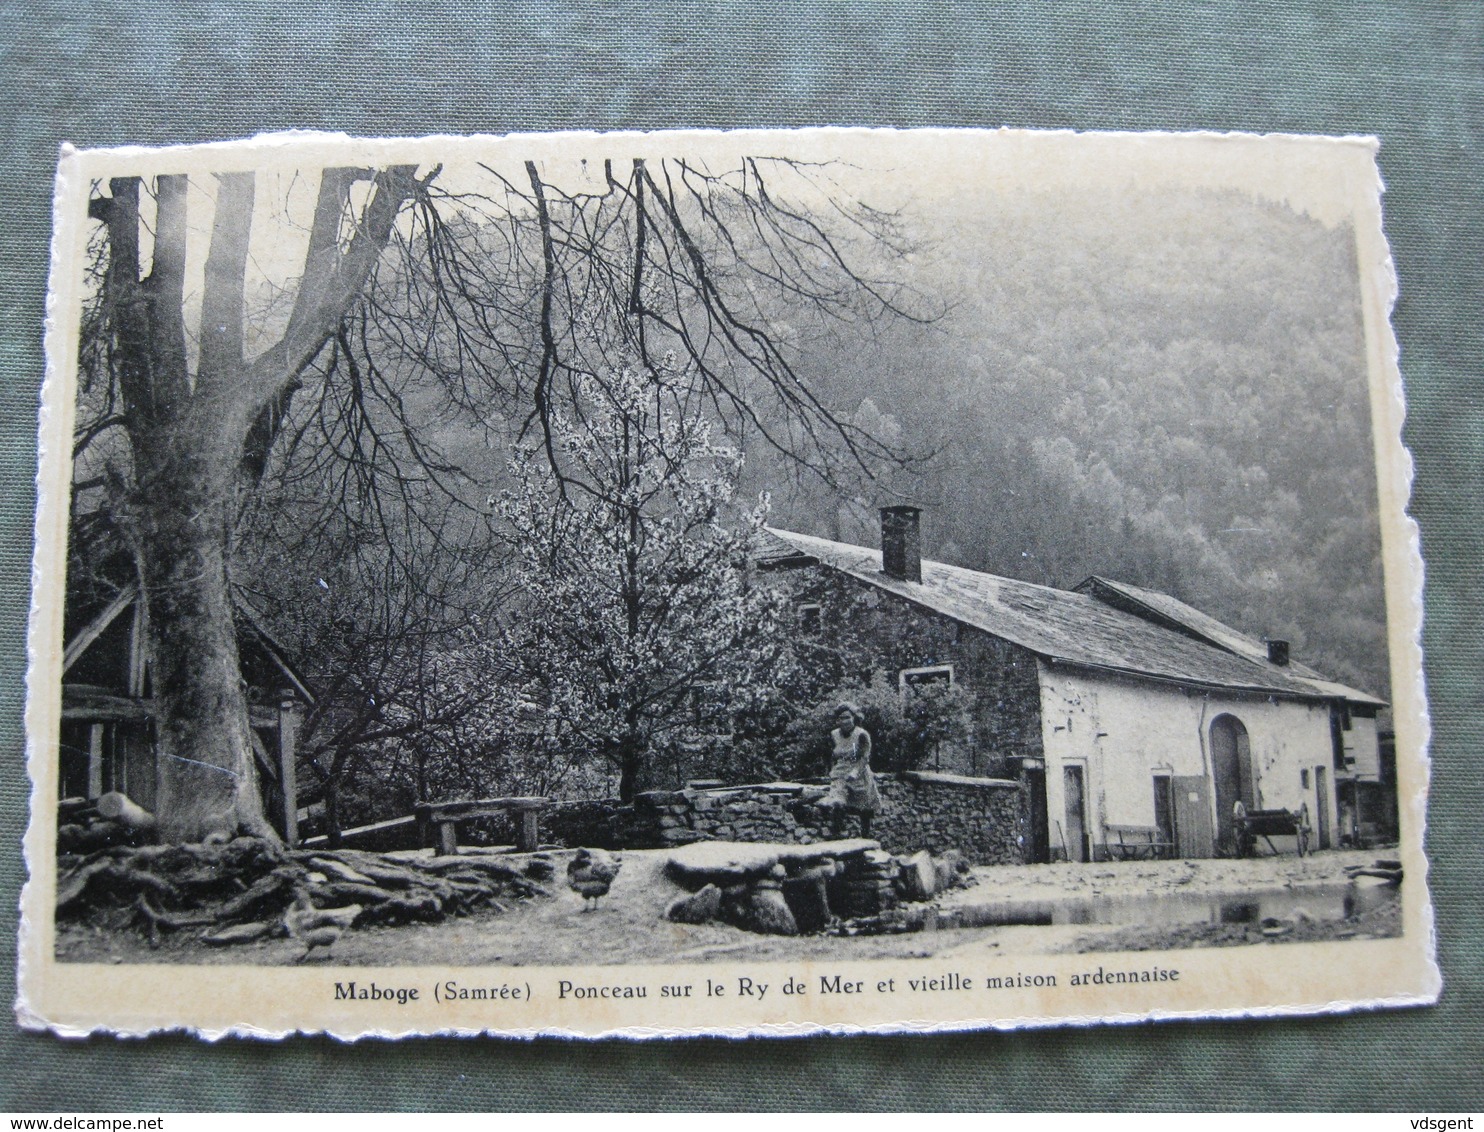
point(1327, 902)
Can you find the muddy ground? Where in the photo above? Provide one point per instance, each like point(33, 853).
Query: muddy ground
point(1162, 905)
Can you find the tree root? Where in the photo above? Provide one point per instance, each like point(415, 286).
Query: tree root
point(234, 892)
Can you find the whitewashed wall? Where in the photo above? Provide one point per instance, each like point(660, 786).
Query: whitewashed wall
point(1125, 732)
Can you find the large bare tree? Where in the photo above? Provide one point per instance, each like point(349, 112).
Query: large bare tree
point(187, 427)
point(417, 298)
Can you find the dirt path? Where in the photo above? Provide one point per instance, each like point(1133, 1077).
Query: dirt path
point(628, 926)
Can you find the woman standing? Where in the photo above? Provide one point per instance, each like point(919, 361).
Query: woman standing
point(852, 785)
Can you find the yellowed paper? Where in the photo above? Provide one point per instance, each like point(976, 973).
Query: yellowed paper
point(1082, 486)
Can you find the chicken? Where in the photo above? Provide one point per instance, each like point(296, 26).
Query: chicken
point(590, 874)
point(316, 927)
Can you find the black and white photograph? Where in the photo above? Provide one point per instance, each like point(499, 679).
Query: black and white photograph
point(760, 582)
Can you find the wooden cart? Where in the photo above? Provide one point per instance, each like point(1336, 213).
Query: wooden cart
point(1249, 825)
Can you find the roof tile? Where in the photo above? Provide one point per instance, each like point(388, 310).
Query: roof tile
point(1078, 628)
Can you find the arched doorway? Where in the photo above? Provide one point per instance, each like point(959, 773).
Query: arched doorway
point(1231, 771)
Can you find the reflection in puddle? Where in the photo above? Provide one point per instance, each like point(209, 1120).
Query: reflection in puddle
point(1327, 902)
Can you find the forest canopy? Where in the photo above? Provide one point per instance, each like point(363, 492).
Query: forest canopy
point(1168, 388)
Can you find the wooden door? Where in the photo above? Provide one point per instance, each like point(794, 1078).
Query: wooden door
point(1321, 806)
point(1164, 809)
point(1191, 799)
point(1076, 832)
point(1038, 852)
point(1231, 769)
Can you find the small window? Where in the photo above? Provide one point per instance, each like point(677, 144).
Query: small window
point(914, 678)
point(810, 616)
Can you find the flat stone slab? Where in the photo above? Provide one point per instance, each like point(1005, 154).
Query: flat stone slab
point(732, 862)
point(939, 778)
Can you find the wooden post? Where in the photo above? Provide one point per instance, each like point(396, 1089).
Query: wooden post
point(138, 640)
point(288, 730)
point(448, 838)
point(529, 838)
point(95, 760)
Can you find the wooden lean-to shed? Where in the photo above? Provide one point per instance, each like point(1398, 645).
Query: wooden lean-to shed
point(107, 741)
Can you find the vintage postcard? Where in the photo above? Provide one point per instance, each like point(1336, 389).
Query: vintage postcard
point(722, 583)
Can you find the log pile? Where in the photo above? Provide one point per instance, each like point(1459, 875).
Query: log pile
point(248, 888)
point(84, 826)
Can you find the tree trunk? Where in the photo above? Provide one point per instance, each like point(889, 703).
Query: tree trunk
point(188, 435)
point(633, 767)
point(206, 774)
point(332, 812)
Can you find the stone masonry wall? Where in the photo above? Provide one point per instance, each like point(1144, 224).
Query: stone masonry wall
point(892, 633)
point(980, 817)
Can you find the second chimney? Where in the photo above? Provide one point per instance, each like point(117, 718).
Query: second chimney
point(1278, 652)
point(901, 544)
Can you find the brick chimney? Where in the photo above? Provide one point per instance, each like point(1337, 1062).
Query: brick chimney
point(1278, 653)
point(901, 544)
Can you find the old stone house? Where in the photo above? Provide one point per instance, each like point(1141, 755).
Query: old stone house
point(1121, 711)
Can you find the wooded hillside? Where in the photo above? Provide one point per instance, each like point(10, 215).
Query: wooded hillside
point(1165, 388)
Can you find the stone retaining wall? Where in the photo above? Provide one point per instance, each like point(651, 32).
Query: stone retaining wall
point(980, 817)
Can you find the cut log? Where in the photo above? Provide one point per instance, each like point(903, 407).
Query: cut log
point(101, 835)
point(126, 812)
point(394, 877)
point(375, 868)
point(216, 886)
point(469, 895)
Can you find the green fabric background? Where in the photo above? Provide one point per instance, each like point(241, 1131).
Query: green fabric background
point(160, 71)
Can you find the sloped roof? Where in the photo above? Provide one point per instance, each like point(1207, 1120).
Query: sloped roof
point(1191, 620)
point(249, 631)
point(1076, 628)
